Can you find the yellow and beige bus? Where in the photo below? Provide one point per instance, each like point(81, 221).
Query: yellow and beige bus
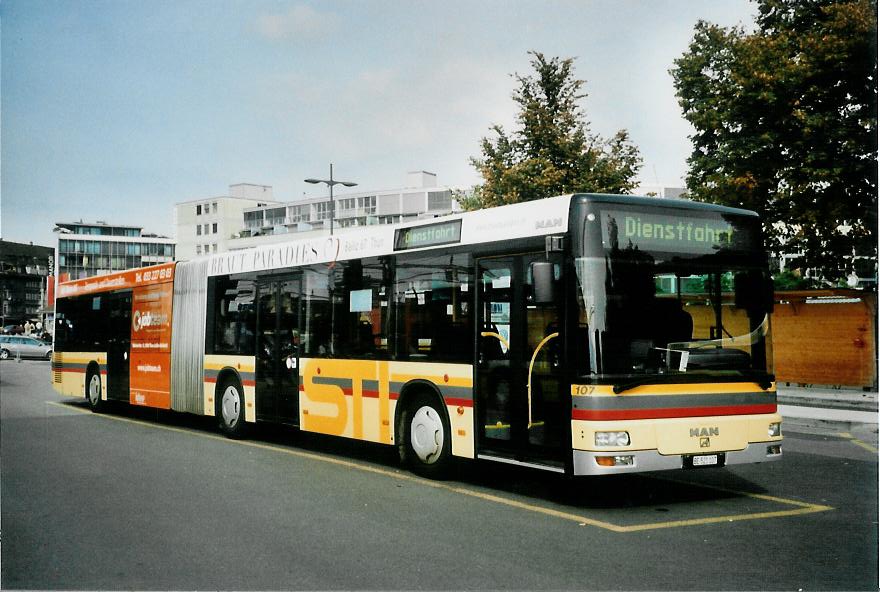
point(585, 334)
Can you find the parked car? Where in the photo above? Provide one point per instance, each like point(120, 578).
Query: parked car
point(27, 347)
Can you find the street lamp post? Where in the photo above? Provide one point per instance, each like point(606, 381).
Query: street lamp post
point(330, 183)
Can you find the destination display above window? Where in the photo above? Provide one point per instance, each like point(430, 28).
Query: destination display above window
point(429, 235)
point(676, 232)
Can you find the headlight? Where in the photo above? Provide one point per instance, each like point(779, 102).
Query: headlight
point(775, 429)
point(612, 438)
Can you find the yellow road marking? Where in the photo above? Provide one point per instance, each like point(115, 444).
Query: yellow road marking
point(857, 442)
point(802, 507)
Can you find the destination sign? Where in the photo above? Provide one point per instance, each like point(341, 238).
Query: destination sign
point(430, 235)
point(676, 233)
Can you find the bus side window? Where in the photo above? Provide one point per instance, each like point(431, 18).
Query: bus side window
point(362, 309)
point(316, 330)
point(234, 321)
point(432, 296)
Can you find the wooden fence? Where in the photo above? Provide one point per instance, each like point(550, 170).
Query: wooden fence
point(826, 337)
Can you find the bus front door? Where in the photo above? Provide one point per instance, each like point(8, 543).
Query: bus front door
point(278, 345)
point(520, 403)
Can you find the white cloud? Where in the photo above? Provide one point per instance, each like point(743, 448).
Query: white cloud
point(300, 22)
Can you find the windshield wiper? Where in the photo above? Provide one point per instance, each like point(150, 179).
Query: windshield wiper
point(763, 380)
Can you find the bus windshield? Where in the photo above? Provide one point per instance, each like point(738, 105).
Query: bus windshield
point(668, 308)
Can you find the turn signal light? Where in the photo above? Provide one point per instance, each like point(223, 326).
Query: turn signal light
point(615, 461)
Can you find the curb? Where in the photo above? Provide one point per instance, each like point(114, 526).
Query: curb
point(851, 405)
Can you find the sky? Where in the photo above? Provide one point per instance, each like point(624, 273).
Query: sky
point(116, 110)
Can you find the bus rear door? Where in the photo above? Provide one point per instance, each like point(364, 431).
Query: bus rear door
point(278, 348)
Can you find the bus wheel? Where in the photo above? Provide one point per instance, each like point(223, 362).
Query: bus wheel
point(427, 438)
point(230, 409)
point(93, 390)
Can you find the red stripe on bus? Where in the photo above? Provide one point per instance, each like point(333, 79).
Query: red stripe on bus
point(616, 414)
point(459, 402)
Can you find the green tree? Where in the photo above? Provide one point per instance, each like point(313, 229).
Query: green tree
point(552, 151)
point(786, 124)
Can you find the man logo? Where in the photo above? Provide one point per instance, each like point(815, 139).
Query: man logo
point(703, 432)
point(704, 442)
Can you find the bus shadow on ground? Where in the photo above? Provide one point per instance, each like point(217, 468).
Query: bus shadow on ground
point(655, 492)
point(659, 492)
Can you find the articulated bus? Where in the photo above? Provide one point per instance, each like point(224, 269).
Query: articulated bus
point(584, 334)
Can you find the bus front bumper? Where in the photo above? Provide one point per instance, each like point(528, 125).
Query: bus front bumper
point(587, 462)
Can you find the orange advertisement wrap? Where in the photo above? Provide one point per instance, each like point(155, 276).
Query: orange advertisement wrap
point(151, 380)
point(120, 280)
point(150, 362)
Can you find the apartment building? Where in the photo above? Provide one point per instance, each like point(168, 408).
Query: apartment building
point(25, 270)
point(206, 225)
point(421, 197)
point(87, 249)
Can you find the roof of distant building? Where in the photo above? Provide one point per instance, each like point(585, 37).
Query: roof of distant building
point(98, 224)
point(10, 249)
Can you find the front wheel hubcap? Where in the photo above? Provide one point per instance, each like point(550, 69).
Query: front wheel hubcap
point(230, 406)
point(95, 389)
point(426, 434)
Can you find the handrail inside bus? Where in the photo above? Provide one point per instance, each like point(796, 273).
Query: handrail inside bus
point(498, 336)
point(531, 366)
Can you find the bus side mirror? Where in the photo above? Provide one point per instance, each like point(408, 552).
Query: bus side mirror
point(542, 278)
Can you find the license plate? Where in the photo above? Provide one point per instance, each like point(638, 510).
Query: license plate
point(705, 460)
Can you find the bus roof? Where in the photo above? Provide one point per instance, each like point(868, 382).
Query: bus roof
point(653, 202)
point(523, 220)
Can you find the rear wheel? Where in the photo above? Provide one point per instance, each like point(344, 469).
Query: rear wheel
point(4, 354)
point(230, 409)
point(93, 391)
point(427, 438)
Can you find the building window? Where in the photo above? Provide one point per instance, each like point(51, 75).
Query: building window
point(199, 210)
point(214, 207)
point(198, 249)
point(440, 200)
point(214, 247)
point(253, 220)
point(198, 230)
point(214, 228)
